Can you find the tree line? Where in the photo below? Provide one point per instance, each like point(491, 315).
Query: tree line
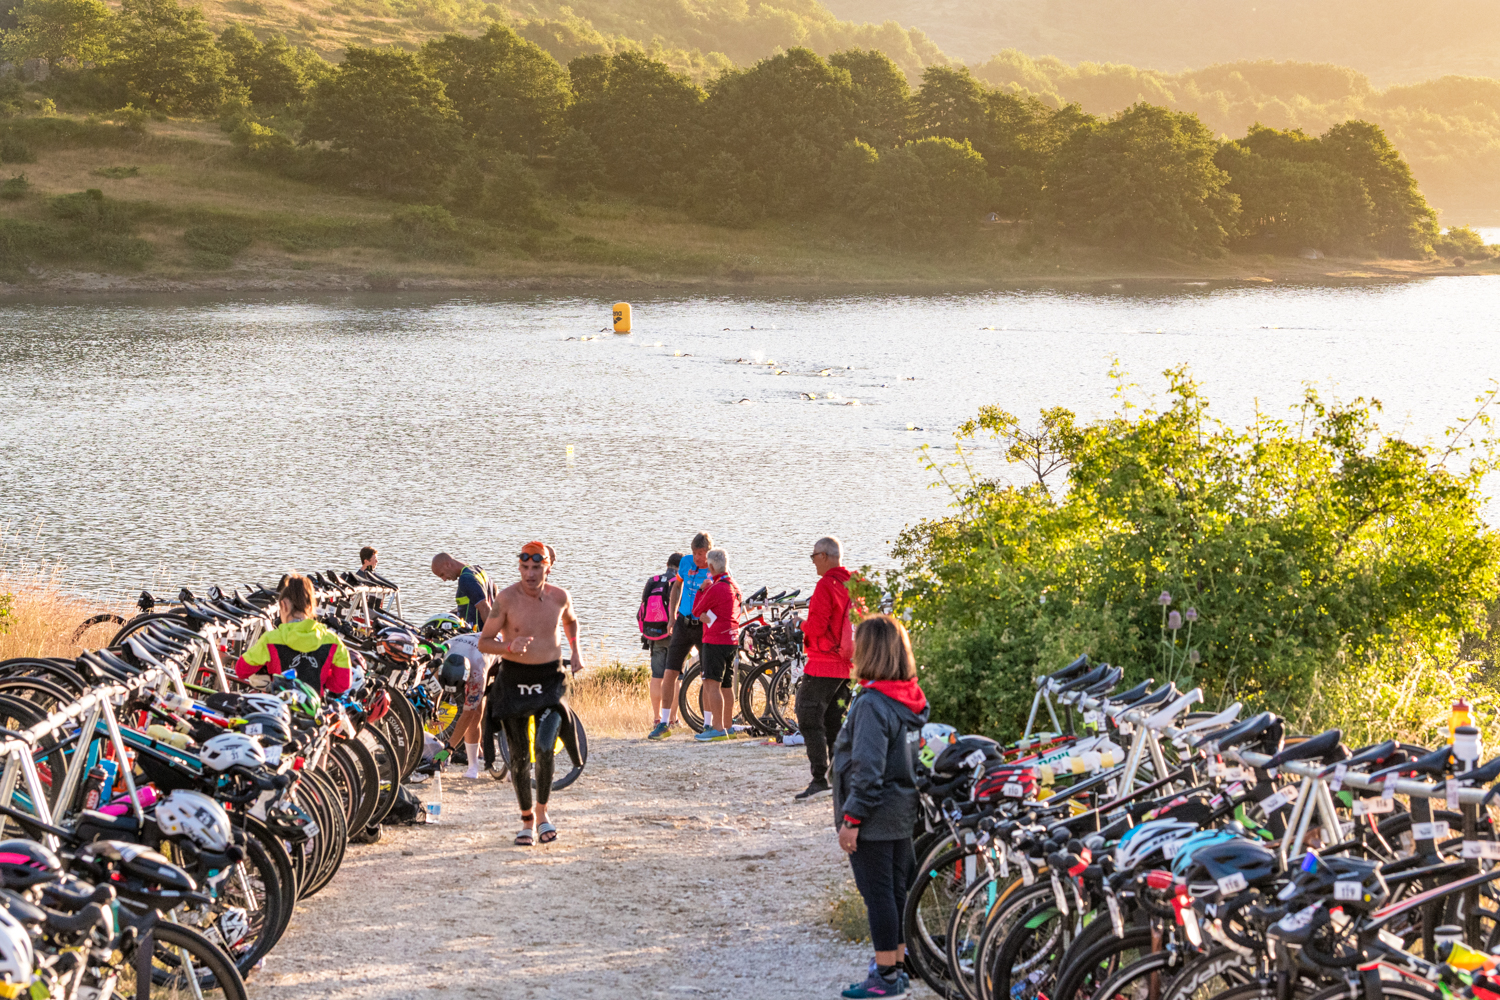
point(485, 125)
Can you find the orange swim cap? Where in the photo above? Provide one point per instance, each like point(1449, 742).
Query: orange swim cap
point(538, 548)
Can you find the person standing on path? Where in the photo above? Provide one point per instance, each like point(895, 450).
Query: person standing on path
point(828, 640)
point(523, 625)
point(473, 594)
point(717, 606)
point(656, 635)
point(476, 666)
point(875, 792)
point(687, 631)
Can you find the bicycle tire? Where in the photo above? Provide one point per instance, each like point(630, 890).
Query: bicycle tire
point(783, 696)
point(755, 699)
point(1083, 973)
point(407, 714)
point(690, 709)
point(395, 732)
point(334, 842)
point(311, 795)
point(63, 674)
point(964, 941)
point(263, 904)
point(346, 780)
point(206, 966)
point(88, 623)
point(1210, 974)
point(387, 772)
point(368, 780)
point(929, 906)
point(286, 874)
point(1027, 962)
point(1265, 989)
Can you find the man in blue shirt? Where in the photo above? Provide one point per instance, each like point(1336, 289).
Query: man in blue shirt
point(473, 587)
point(686, 631)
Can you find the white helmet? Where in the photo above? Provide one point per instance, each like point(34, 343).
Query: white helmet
point(270, 704)
point(229, 749)
point(234, 927)
point(197, 817)
point(1144, 843)
point(17, 958)
point(356, 674)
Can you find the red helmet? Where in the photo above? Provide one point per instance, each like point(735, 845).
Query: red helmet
point(378, 706)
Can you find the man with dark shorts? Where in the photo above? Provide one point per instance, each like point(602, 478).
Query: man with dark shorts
point(687, 631)
point(472, 594)
point(522, 628)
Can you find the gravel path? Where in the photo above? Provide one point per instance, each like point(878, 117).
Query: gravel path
point(681, 870)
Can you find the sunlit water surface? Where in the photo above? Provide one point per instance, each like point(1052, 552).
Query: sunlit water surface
point(162, 444)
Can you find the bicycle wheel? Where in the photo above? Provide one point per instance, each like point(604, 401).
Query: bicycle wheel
point(110, 619)
point(1027, 961)
point(184, 964)
point(334, 840)
point(406, 713)
point(783, 695)
point(356, 758)
point(1099, 960)
point(755, 699)
point(346, 781)
point(690, 696)
point(1206, 976)
point(390, 726)
point(929, 908)
point(252, 891)
point(387, 765)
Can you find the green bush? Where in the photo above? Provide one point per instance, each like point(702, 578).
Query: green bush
point(222, 239)
point(1461, 241)
point(429, 232)
point(1276, 565)
point(13, 150)
point(260, 144)
point(92, 210)
point(15, 188)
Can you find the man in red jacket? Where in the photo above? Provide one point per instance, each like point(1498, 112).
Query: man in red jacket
point(828, 640)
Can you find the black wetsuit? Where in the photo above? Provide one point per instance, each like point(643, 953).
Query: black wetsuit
point(521, 692)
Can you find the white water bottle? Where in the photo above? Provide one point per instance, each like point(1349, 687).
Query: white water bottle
point(435, 804)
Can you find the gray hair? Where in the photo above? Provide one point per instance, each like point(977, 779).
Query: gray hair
point(718, 560)
point(829, 546)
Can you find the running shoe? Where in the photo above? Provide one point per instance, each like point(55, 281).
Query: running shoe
point(660, 732)
point(876, 985)
point(711, 736)
point(815, 787)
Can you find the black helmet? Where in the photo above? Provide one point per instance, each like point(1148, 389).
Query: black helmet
point(1217, 865)
point(454, 670)
point(273, 729)
point(25, 863)
point(1353, 883)
point(959, 755)
point(290, 821)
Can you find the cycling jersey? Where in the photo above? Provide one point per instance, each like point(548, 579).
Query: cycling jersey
point(692, 577)
point(472, 586)
point(467, 646)
point(310, 649)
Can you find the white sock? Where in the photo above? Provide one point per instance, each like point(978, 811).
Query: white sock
point(475, 761)
point(666, 716)
point(708, 719)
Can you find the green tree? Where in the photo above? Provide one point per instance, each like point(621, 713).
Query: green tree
point(510, 94)
point(1403, 221)
point(882, 97)
point(389, 121)
point(1021, 138)
point(163, 56)
point(784, 120)
point(1146, 177)
point(274, 72)
point(1301, 555)
point(58, 29)
point(951, 104)
point(580, 165)
point(924, 185)
point(644, 119)
point(1289, 204)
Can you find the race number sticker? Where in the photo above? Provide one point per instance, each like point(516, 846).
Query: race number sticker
point(1488, 850)
point(1350, 891)
point(1012, 790)
point(1339, 770)
point(1388, 792)
point(1366, 807)
point(1233, 883)
point(1436, 830)
point(1280, 800)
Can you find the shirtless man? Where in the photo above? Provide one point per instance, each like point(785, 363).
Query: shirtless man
point(522, 628)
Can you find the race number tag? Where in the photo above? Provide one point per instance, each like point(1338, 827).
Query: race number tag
point(1279, 801)
point(1169, 849)
point(1060, 896)
point(1339, 770)
point(1028, 877)
point(1488, 850)
point(974, 759)
point(254, 729)
point(1012, 790)
point(1116, 922)
point(1388, 792)
point(1233, 883)
point(273, 755)
point(1350, 891)
point(1365, 807)
point(1450, 789)
point(1436, 830)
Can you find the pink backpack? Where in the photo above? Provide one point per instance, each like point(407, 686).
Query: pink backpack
point(653, 617)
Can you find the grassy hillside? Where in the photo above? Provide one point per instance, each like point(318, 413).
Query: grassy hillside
point(1448, 129)
point(696, 36)
point(180, 210)
point(1391, 40)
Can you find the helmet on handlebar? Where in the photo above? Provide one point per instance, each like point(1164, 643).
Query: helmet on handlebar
point(300, 697)
point(1183, 859)
point(267, 704)
point(356, 672)
point(185, 813)
point(936, 737)
point(1219, 863)
point(960, 754)
point(441, 628)
point(231, 750)
point(17, 957)
point(25, 863)
point(1145, 843)
point(273, 728)
point(396, 645)
point(289, 821)
point(454, 671)
point(377, 707)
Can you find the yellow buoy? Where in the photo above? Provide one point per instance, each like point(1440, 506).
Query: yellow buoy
point(622, 317)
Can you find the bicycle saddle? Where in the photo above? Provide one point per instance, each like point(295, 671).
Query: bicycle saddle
point(1106, 683)
point(184, 595)
point(1129, 698)
point(1434, 765)
point(1072, 670)
point(1324, 747)
point(1481, 775)
point(1379, 754)
point(1265, 727)
point(1087, 680)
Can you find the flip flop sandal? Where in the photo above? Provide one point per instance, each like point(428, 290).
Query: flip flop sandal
point(547, 833)
point(526, 837)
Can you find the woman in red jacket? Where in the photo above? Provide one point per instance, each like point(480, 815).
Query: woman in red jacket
point(717, 606)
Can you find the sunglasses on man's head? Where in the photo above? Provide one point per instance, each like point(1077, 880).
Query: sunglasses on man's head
point(535, 557)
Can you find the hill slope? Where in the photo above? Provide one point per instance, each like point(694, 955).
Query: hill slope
point(1391, 40)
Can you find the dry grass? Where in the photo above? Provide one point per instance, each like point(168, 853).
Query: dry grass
point(42, 618)
point(613, 700)
point(847, 915)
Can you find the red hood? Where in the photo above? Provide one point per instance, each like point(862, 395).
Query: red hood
point(838, 575)
point(907, 693)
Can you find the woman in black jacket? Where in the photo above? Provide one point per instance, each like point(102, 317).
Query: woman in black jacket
point(875, 791)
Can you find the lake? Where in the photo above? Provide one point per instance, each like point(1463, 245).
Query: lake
point(159, 443)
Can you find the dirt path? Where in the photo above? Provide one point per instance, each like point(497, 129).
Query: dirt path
point(682, 870)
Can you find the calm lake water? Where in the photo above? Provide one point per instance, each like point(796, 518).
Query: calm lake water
point(151, 443)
